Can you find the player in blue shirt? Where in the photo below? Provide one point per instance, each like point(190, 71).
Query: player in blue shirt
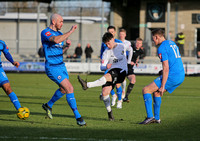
point(173, 75)
point(4, 82)
point(112, 30)
point(53, 41)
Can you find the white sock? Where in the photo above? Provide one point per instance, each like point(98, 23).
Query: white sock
point(106, 100)
point(97, 83)
point(124, 85)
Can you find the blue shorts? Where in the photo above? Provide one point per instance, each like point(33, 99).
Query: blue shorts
point(172, 82)
point(3, 77)
point(57, 74)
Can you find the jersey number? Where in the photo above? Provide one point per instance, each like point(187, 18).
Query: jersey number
point(176, 51)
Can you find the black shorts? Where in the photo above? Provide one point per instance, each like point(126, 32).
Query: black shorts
point(118, 76)
point(130, 70)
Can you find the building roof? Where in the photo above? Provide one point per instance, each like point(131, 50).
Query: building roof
point(43, 16)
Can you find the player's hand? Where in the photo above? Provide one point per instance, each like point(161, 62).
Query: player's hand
point(16, 64)
point(68, 42)
point(132, 63)
point(137, 65)
point(73, 28)
point(109, 66)
point(161, 91)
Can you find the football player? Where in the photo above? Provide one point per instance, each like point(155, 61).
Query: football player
point(53, 41)
point(4, 82)
point(112, 30)
point(115, 62)
point(172, 76)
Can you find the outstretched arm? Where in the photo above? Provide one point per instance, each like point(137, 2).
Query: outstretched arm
point(10, 59)
point(61, 38)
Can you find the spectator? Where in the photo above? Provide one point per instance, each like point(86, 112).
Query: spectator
point(78, 51)
point(88, 53)
point(41, 52)
point(180, 42)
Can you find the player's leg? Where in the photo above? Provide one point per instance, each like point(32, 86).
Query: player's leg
point(147, 91)
point(67, 86)
point(100, 82)
point(57, 76)
point(57, 95)
point(132, 80)
point(123, 89)
point(119, 95)
point(156, 105)
point(106, 99)
point(13, 97)
point(114, 97)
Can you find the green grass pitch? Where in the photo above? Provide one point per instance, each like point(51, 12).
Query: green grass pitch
point(180, 113)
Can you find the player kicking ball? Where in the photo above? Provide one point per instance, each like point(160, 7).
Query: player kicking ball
point(172, 76)
point(115, 62)
point(4, 82)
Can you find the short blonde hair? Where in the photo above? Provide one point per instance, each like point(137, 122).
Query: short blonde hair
point(122, 30)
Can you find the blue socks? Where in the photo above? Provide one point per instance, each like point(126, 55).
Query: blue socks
point(148, 104)
point(112, 92)
point(14, 100)
point(72, 103)
point(57, 95)
point(157, 103)
point(119, 93)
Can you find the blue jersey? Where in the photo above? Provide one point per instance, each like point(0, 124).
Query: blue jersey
point(104, 47)
point(53, 52)
point(168, 50)
point(4, 49)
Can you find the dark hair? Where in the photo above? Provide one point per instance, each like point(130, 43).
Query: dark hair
point(107, 37)
point(159, 32)
point(111, 27)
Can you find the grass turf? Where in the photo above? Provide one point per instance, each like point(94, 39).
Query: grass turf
point(179, 112)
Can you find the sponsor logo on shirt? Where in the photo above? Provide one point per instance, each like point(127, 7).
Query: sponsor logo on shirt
point(160, 56)
point(48, 33)
point(6, 47)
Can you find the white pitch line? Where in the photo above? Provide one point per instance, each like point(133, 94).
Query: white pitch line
point(56, 138)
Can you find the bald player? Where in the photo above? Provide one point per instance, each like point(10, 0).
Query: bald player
point(53, 41)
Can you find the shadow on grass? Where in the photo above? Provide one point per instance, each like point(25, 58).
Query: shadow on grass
point(184, 130)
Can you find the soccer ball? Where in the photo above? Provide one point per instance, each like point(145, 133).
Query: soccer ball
point(23, 113)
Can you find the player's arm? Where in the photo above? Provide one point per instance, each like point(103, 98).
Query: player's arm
point(165, 65)
point(103, 47)
point(105, 61)
point(68, 44)
point(137, 60)
point(10, 59)
point(130, 54)
point(61, 38)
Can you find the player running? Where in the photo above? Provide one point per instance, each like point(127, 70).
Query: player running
point(115, 62)
point(173, 75)
point(112, 30)
point(137, 51)
point(53, 41)
point(4, 82)
point(122, 36)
